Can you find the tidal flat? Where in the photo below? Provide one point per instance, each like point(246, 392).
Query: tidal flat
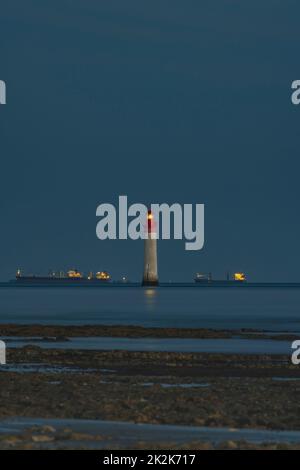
point(63, 332)
point(232, 391)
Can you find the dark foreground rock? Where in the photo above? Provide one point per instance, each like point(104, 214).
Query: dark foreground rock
point(166, 388)
point(214, 390)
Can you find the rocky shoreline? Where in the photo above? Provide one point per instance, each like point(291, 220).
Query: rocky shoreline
point(199, 389)
point(63, 332)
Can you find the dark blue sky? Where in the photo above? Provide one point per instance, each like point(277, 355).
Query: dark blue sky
point(165, 101)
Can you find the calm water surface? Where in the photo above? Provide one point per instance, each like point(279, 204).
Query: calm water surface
point(124, 433)
point(228, 346)
point(272, 309)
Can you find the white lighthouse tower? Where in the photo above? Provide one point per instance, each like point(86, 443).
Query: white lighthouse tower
point(150, 277)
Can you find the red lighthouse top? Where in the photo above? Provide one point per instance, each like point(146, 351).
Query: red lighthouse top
point(151, 223)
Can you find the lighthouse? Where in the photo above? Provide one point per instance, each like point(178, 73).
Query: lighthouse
point(150, 277)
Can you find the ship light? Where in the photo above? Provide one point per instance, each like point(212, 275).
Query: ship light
point(73, 273)
point(239, 277)
point(103, 275)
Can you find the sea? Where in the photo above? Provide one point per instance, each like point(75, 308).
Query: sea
point(271, 309)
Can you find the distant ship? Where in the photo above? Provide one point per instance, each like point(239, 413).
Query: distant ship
point(207, 279)
point(71, 277)
point(238, 280)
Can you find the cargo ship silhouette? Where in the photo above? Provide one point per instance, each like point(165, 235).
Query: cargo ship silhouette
point(72, 276)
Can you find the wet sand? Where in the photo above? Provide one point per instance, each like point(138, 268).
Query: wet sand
point(128, 386)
